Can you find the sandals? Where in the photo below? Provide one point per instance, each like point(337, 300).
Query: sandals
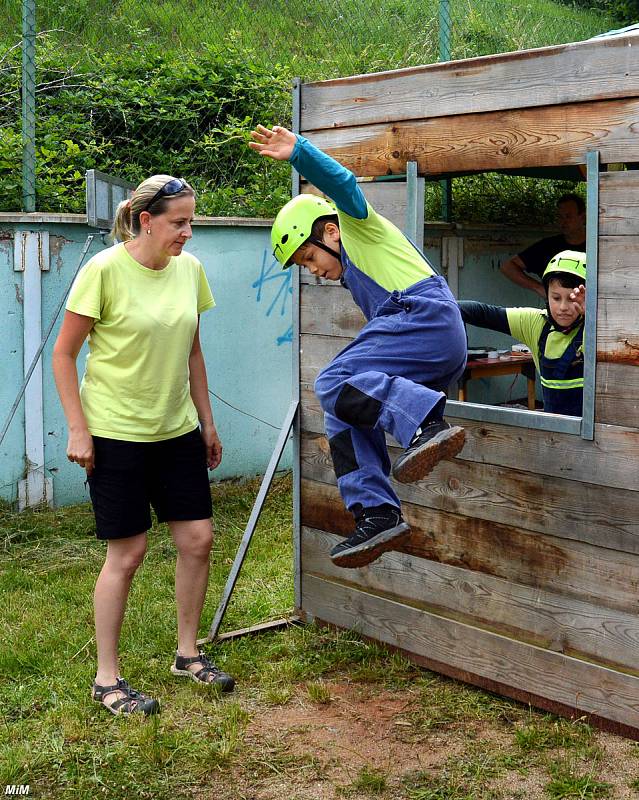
point(209, 674)
point(133, 702)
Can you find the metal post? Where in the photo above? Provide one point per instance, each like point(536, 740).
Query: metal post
point(590, 324)
point(295, 378)
point(445, 26)
point(252, 523)
point(28, 105)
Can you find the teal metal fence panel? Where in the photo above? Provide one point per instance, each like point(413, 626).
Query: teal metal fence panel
point(246, 341)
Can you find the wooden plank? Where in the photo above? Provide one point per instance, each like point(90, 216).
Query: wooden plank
point(574, 683)
point(598, 515)
point(609, 460)
point(617, 393)
point(619, 202)
point(535, 137)
point(571, 73)
point(546, 619)
point(604, 577)
point(618, 331)
point(618, 266)
point(329, 310)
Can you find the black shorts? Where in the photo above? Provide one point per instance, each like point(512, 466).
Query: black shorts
point(129, 477)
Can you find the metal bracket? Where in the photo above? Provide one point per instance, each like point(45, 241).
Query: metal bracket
point(252, 523)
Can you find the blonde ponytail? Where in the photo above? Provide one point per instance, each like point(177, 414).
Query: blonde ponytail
point(122, 227)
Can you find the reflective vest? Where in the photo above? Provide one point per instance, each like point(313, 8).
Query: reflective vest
point(562, 379)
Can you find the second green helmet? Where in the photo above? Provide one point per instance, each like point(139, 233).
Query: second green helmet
point(571, 261)
point(293, 224)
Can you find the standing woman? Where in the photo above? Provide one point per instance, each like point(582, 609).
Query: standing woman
point(141, 423)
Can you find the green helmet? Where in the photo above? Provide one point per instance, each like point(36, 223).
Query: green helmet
point(571, 261)
point(292, 225)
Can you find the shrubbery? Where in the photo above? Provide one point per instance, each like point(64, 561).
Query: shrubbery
point(146, 109)
point(133, 115)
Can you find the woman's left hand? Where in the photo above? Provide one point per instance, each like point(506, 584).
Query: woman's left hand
point(213, 445)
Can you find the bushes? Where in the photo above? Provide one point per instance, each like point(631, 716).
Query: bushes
point(133, 114)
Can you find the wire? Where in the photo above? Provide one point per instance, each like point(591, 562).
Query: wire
point(246, 413)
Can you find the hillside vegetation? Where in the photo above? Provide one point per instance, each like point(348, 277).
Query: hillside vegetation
point(136, 87)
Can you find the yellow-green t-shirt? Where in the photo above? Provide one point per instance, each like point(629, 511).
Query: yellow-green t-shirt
point(526, 324)
point(380, 250)
point(136, 381)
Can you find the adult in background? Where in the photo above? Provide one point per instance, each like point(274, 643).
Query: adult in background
point(141, 423)
point(571, 218)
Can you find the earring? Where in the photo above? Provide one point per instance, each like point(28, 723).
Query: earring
point(148, 231)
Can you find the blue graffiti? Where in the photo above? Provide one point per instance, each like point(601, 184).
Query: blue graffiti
point(286, 338)
point(271, 270)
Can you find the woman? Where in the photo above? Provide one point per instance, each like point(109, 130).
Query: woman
point(133, 424)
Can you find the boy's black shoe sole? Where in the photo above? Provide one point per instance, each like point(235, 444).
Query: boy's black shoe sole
point(362, 554)
point(417, 461)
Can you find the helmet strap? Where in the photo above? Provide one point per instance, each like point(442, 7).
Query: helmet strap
point(563, 328)
point(319, 243)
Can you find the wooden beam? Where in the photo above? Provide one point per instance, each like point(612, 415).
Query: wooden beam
point(598, 515)
point(554, 621)
point(578, 685)
point(510, 139)
point(609, 460)
point(571, 73)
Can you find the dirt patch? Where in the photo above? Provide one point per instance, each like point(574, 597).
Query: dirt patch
point(309, 750)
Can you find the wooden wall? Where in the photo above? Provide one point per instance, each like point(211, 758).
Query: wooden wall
point(522, 571)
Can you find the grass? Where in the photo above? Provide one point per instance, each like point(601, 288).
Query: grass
point(322, 38)
point(53, 737)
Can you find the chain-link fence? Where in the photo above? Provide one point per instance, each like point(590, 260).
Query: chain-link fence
point(135, 87)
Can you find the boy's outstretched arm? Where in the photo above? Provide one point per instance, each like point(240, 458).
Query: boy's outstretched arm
point(321, 170)
point(483, 315)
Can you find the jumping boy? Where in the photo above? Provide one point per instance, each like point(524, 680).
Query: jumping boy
point(391, 378)
point(554, 335)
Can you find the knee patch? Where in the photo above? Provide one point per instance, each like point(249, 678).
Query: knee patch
point(343, 453)
point(357, 408)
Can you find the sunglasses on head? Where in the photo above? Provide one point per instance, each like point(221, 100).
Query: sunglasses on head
point(174, 186)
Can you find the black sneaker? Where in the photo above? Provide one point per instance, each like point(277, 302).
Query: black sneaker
point(377, 530)
point(431, 444)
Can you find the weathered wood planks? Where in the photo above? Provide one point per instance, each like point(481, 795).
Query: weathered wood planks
point(448, 645)
point(606, 577)
point(521, 573)
point(610, 460)
point(558, 622)
point(587, 70)
point(548, 136)
point(602, 516)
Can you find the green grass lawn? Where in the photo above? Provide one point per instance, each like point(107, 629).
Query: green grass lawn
point(56, 739)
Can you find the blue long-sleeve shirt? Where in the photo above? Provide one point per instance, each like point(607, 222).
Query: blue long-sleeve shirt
point(371, 242)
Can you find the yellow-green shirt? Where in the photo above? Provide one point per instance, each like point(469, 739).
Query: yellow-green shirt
point(380, 250)
point(136, 381)
point(526, 324)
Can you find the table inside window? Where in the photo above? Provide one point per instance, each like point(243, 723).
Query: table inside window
point(513, 364)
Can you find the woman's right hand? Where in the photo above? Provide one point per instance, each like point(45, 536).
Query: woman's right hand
point(80, 449)
point(276, 142)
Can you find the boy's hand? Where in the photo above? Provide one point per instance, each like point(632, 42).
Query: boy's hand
point(276, 142)
point(578, 297)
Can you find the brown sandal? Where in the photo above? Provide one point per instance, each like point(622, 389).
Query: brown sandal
point(133, 702)
point(209, 674)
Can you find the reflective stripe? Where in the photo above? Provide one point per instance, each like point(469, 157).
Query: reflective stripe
point(575, 383)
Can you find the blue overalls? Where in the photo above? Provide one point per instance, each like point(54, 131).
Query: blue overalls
point(388, 379)
point(394, 373)
point(562, 379)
